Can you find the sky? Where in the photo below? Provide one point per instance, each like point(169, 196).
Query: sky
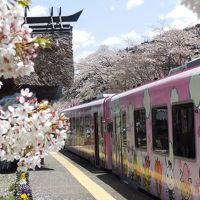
point(114, 22)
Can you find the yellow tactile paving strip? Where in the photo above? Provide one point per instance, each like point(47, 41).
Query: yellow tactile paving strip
point(94, 189)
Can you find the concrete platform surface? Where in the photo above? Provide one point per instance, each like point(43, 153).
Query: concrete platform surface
point(66, 176)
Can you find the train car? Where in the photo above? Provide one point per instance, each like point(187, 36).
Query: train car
point(90, 136)
point(156, 135)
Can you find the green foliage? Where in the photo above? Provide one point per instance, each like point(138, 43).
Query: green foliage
point(24, 3)
point(86, 93)
point(43, 42)
point(11, 188)
point(11, 192)
point(7, 198)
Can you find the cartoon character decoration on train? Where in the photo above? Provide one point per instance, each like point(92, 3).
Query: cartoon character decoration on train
point(125, 164)
point(118, 140)
point(170, 174)
point(147, 173)
point(130, 161)
point(136, 176)
point(185, 182)
point(194, 89)
point(146, 102)
point(174, 96)
point(101, 151)
point(115, 111)
point(130, 140)
point(170, 180)
point(158, 176)
point(197, 186)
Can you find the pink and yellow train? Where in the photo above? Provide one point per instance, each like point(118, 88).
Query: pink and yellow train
point(149, 136)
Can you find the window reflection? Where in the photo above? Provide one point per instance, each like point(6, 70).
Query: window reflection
point(183, 130)
point(160, 129)
point(140, 129)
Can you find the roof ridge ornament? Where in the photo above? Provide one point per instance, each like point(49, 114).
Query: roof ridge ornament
point(51, 23)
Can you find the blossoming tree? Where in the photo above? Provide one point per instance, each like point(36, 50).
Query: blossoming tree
point(17, 47)
point(30, 129)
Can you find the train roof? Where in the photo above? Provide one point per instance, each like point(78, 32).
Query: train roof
point(85, 105)
point(165, 80)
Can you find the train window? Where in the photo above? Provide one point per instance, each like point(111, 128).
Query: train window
point(160, 129)
point(140, 129)
point(183, 130)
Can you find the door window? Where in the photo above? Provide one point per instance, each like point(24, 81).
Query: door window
point(160, 129)
point(140, 129)
point(183, 130)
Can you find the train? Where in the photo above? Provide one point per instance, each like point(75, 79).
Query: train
point(149, 136)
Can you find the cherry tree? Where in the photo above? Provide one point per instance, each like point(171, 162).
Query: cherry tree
point(100, 63)
point(19, 126)
point(17, 47)
point(30, 129)
point(138, 68)
point(112, 71)
point(106, 71)
point(172, 48)
point(94, 73)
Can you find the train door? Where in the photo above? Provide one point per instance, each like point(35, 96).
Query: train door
point(102, 145)
point(115, 146)
point(123, 143)
point(96, 137)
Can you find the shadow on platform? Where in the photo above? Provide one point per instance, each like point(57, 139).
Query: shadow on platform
point(104, 175)
point(43, 168)
point(8, 167)
point(7, 171)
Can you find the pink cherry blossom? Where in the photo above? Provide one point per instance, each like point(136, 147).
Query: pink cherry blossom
point(29, 131)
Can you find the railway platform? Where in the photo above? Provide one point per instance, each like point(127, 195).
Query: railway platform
point(66, 176)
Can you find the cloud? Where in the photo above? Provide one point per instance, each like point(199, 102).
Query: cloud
point(112, 8)
point(83, 43)
point(181, 17)
point(151, 33)
point(112, 41)
point(121, 41)
point(37, 11)
point(132, 36)
point(134, 3)
point(82, 38)
point(82, 54)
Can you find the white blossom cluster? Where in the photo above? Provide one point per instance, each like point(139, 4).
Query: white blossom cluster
point(29, 130)
point(17, 48)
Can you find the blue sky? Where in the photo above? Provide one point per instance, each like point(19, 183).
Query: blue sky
point(113, 22)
